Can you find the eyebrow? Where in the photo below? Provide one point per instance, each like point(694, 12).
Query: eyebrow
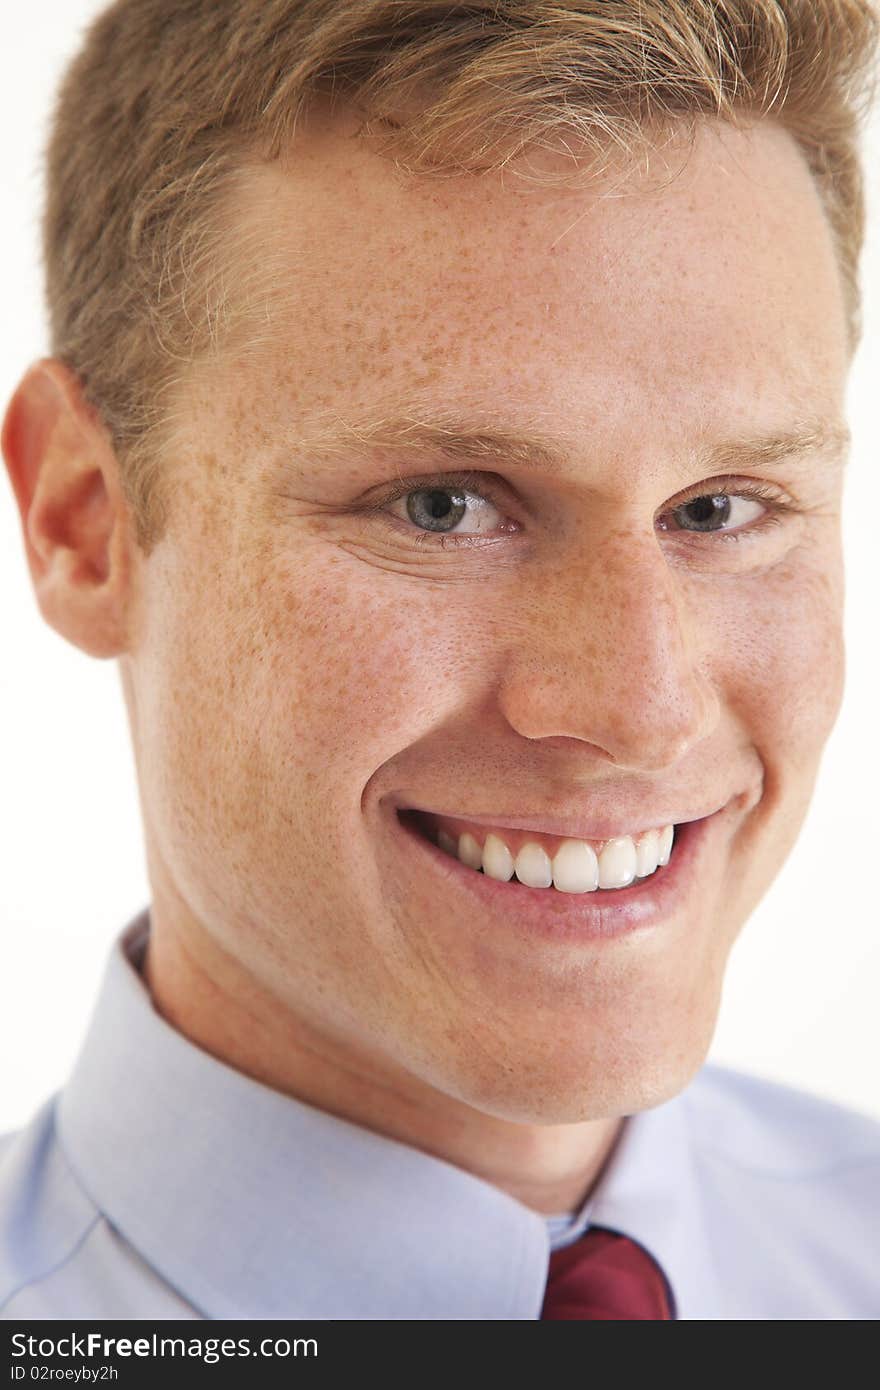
point(464, 439)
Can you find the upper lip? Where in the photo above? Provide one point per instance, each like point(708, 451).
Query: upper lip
point(579, 823)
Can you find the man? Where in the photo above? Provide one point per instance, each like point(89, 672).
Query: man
point(445, 433)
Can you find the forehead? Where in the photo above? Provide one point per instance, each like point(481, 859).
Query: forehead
point(705, 281)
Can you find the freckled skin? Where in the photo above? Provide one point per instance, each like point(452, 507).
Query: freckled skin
point(289, 665)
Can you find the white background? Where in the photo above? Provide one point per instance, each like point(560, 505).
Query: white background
point(800, 1002)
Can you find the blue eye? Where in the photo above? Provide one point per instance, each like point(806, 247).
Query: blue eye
point(718, 512)
point(721, 511)
point(437, 509)
point(442, 510)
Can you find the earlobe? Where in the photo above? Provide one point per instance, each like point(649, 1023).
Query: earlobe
point(63, 472)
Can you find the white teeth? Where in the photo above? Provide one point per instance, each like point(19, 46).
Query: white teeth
point(617, 863)
point(497, 859)
point(533, 867)
point(665, 848)
point(469, 851)
point(575, 868)
point(647, 854)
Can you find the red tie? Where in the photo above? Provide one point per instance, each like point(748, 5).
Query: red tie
point(604, 1276)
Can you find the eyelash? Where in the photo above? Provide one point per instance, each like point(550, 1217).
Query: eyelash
point(777, 503)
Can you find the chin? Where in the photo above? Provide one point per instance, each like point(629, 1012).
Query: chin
point(606, 1085)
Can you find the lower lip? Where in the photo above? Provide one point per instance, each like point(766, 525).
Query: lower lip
point(551, 914)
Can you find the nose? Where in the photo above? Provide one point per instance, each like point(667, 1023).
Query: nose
point(607, 651)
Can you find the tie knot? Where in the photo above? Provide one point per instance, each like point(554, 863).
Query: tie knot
point(605, 1276)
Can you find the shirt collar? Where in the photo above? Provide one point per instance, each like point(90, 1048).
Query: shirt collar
point(252, 1204)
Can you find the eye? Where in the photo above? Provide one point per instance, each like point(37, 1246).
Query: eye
point(450, 506)
point(448, 510)
point(719, 511)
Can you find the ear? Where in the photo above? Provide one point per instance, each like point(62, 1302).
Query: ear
point(74, 518)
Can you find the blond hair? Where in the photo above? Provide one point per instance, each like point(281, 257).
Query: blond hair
point(168, 98)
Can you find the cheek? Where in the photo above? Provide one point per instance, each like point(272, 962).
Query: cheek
point(782, 660)
point(363, 661)
point(270, 703)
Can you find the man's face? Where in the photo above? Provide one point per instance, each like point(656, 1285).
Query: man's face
point(570, 647)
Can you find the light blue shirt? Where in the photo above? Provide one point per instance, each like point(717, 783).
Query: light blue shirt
point(160, 1183)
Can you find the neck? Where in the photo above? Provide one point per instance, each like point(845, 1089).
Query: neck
point(202, 993)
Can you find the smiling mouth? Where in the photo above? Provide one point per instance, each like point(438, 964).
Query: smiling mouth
point(669, 896)
point(555, 863)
